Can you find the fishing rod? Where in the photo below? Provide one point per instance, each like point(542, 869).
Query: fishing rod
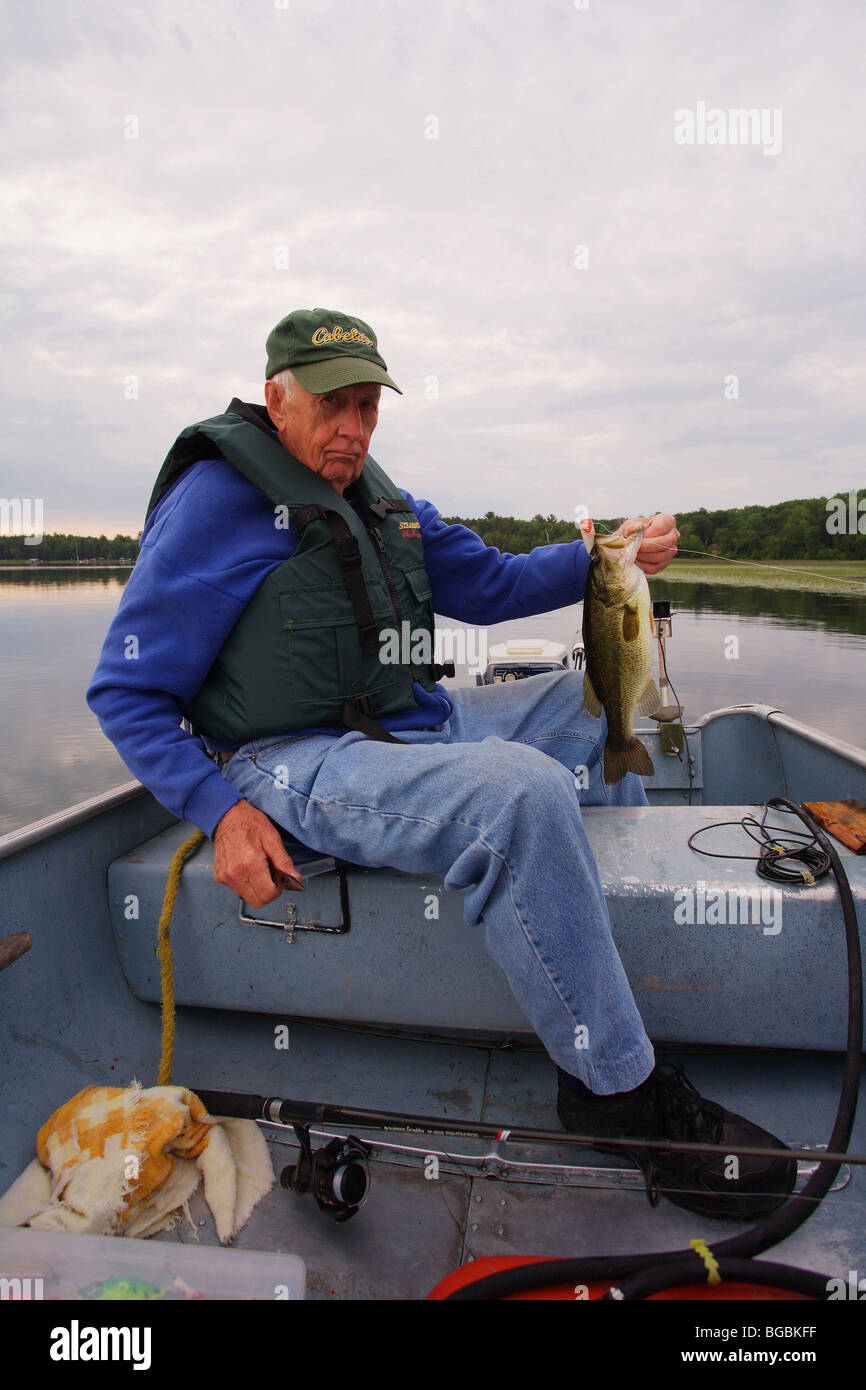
point(288, 1113)
point(338, 1174)
point(339, 1178)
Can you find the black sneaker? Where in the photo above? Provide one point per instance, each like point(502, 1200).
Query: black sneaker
point(667, 1106)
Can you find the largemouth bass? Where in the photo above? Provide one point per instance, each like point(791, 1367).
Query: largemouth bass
point(617, 637)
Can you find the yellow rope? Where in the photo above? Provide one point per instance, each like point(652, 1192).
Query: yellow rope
point(709, 1259)
point(166, 961)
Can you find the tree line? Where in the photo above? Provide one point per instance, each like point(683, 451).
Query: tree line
point(63, 549)
point(813, 528)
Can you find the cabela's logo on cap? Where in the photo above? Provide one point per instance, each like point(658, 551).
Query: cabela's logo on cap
point(340, 335)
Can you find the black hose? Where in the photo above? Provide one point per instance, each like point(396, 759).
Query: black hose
point(650, 1281)
point(787, 1218)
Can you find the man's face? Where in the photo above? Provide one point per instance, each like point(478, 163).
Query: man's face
point(330, 433)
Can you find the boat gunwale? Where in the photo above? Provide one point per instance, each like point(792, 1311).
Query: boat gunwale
point(49, 826)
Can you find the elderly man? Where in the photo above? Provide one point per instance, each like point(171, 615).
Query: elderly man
point(275, 552)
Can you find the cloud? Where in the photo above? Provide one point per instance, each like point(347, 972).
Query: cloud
point(161, 166)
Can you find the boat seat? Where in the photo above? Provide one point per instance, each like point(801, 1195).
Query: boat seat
point(391, 949)
point(308, 862)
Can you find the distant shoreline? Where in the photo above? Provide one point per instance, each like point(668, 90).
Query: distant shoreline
point(820, 577)
point(26, 566)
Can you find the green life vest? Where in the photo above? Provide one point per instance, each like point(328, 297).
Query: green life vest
point(306, 649)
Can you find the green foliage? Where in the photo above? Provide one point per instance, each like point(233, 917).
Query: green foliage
point(796, 530)
point(60, 549)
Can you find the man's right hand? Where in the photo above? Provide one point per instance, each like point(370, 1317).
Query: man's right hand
point(246, 844)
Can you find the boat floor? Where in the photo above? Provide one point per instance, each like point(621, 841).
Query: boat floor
point(70, 1021)
point(412, 1231)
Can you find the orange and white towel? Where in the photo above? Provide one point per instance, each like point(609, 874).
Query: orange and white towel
point(125, 1162)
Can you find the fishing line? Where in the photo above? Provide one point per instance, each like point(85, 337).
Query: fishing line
point(759, 564)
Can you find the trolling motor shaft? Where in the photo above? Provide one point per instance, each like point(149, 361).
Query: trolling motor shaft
point(669, 709)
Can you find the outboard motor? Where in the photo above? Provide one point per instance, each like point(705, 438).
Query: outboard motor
point(520, 657)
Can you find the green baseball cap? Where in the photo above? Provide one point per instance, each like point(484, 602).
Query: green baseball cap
point(326, 350)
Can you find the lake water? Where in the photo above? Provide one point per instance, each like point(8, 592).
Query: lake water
point(802, 653)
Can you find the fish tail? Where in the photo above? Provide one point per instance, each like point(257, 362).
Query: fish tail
point(627, 757)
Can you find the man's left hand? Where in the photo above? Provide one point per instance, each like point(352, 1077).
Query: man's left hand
point(659, 544)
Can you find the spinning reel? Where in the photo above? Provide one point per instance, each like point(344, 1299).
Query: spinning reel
point(338, 1175)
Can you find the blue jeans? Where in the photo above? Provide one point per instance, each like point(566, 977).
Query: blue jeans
point(490, 801)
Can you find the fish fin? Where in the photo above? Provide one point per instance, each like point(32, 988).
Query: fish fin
point(591, 702)
point(650, 699)
point(630, 623)
point(632, 757)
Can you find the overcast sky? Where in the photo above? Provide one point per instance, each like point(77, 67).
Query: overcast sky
point(284, 159)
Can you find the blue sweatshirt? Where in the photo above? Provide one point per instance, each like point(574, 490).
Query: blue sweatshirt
point(205, 550)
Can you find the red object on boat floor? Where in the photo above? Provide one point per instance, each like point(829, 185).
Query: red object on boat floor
point(725, 1291)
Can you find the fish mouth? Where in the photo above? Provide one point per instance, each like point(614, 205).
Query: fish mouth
point(616, 542)
point(615, 576)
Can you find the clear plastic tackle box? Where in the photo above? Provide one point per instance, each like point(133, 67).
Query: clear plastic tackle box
point(58, 1265)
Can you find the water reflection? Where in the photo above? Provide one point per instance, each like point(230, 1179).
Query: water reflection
point(804, 653)
point(47, 578)
point(789, 607)
point(52, 627)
